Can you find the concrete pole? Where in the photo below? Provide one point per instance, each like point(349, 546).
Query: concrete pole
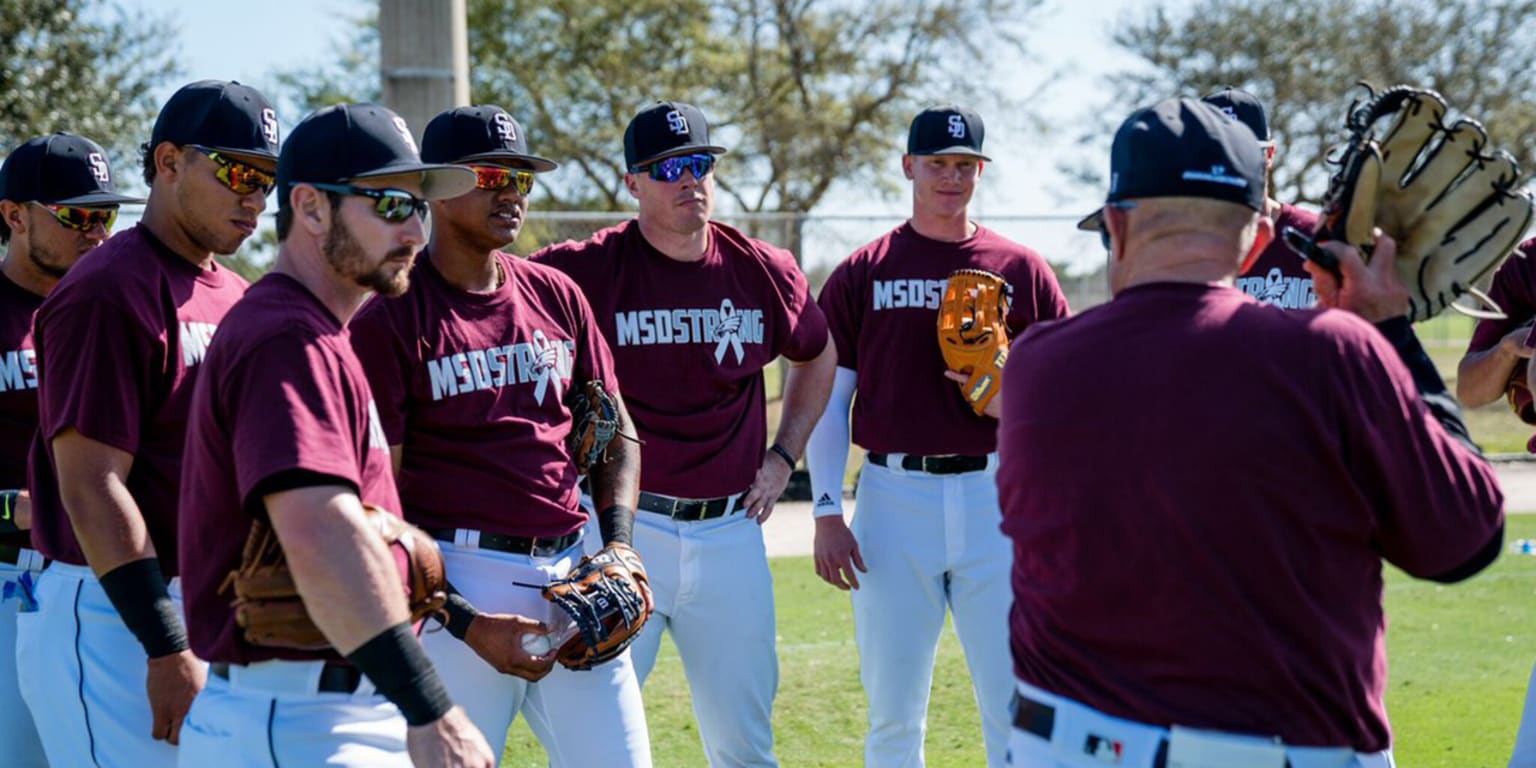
point(423, 58)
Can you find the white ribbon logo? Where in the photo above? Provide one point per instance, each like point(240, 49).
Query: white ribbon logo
point(545, 368)
point(728, 332)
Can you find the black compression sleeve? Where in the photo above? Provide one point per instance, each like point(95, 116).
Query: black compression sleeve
point(401, 672)
point(137, 590)
point(1427, 378)
point(460, 613)
point(617, 525)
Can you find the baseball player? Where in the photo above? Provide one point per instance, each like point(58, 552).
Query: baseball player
point(119, 342)
point(1498, 353)
point(471, 369)
point(283, 427)
point(57, 202)
point(1198, 590)
point(1277, 276)
point(693, 310)
point(924, 538)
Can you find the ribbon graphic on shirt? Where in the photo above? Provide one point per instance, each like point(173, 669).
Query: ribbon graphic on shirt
point(728, 332)
point(545, 367)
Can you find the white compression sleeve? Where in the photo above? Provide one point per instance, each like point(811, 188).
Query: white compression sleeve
point(826, 453)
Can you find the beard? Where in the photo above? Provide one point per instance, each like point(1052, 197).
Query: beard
point(47, 263)
point(349, 259)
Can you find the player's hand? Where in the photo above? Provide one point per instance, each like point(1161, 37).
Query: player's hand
point(837, 553)
point(21, 514)
point(173, 681)
point(994, 406)
point(452, 741)
point(498, 638)
point(1513, 345)
point(1373, 291)
point(767, 487)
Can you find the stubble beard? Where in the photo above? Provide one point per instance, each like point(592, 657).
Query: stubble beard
point(348, 258)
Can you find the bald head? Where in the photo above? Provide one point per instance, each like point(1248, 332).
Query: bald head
point(1188, 239)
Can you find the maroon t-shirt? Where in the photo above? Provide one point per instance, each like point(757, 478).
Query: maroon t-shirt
point(882, 310)
point(18, 390)
point(1204, 546)
point(282, 394)
point(119, 342)
point(472, 386)
point(1277, 276)
point(1514, 290)
point(690, 341)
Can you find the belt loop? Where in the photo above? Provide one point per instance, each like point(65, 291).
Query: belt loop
point(991, 462)
point(896, 462)
point(465, 538)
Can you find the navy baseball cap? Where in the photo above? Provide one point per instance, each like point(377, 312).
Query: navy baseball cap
point(349, 142)
point(221, 115)
point(62, 169)
point(469, 134)
point(664, 129)
point(1243, 107)
point(946, 130)
point(1183, 148)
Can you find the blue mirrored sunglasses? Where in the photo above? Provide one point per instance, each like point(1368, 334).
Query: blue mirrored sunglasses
point(671, 169)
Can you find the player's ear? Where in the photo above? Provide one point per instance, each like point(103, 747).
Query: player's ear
point(169, 160)
point(11, 212)
point(312, 208)
point(632, 185)
point(906, 166)
point(1263, 235)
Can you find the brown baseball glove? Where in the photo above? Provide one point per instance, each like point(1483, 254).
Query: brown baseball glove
point(608, 598)
point(973, 331)
point(594, 423)
point(1451, 201)
point(269, 610)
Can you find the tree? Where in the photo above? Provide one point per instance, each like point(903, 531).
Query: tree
point(82, 66)
point(806, 93)
point(1302, 57)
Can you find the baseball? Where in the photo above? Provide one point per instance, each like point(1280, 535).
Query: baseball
point(536, 644)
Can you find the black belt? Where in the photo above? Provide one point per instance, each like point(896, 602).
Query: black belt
point(10, 555)
point(517, 545)
point(934, 465)
point(685, 509)
point(334, 678)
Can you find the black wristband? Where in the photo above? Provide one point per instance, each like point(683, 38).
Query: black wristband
point(783, 454)
point(8, 511)
point(616, 524)
point(460, 614)
point(137, 590)
point(402, 673)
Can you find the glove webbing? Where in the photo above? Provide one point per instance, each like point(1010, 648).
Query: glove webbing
point(589, 614)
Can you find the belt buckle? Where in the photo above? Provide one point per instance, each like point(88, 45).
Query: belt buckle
point(677, 507)
point(929, 464)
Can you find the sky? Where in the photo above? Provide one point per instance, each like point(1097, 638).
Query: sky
point(1069, 55)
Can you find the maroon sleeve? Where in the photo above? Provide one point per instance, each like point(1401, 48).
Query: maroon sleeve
point(1511, 291)
point(381, 348)
point(807, 325)
point(96, 362)
point(594, 360)
point(839, 304)
point(1048, 302)
point(288, 409)
point(1439, 503)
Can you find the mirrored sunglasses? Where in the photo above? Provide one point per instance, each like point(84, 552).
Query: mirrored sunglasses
point(671, 169)
point(495, 178)
point(392, 205)
point(241, 178)
point(82, 219)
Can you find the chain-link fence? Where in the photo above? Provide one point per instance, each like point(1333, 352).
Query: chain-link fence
point(819, 241)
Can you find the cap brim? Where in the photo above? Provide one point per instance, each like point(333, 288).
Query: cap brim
point(1093, 222)
point(957, 151)
point(528, 162)
point(675, 152)
point(438, 182)
point(99, 198)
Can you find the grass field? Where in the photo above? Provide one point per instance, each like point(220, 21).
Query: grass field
point(1460, 659)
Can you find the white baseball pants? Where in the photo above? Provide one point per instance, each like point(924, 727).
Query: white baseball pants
point(23, 748)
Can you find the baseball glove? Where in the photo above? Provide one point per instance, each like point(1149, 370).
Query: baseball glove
point(608, 598)
point(269, 610)
point(973, 331)
point(594, 422)
point(1449, 200)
